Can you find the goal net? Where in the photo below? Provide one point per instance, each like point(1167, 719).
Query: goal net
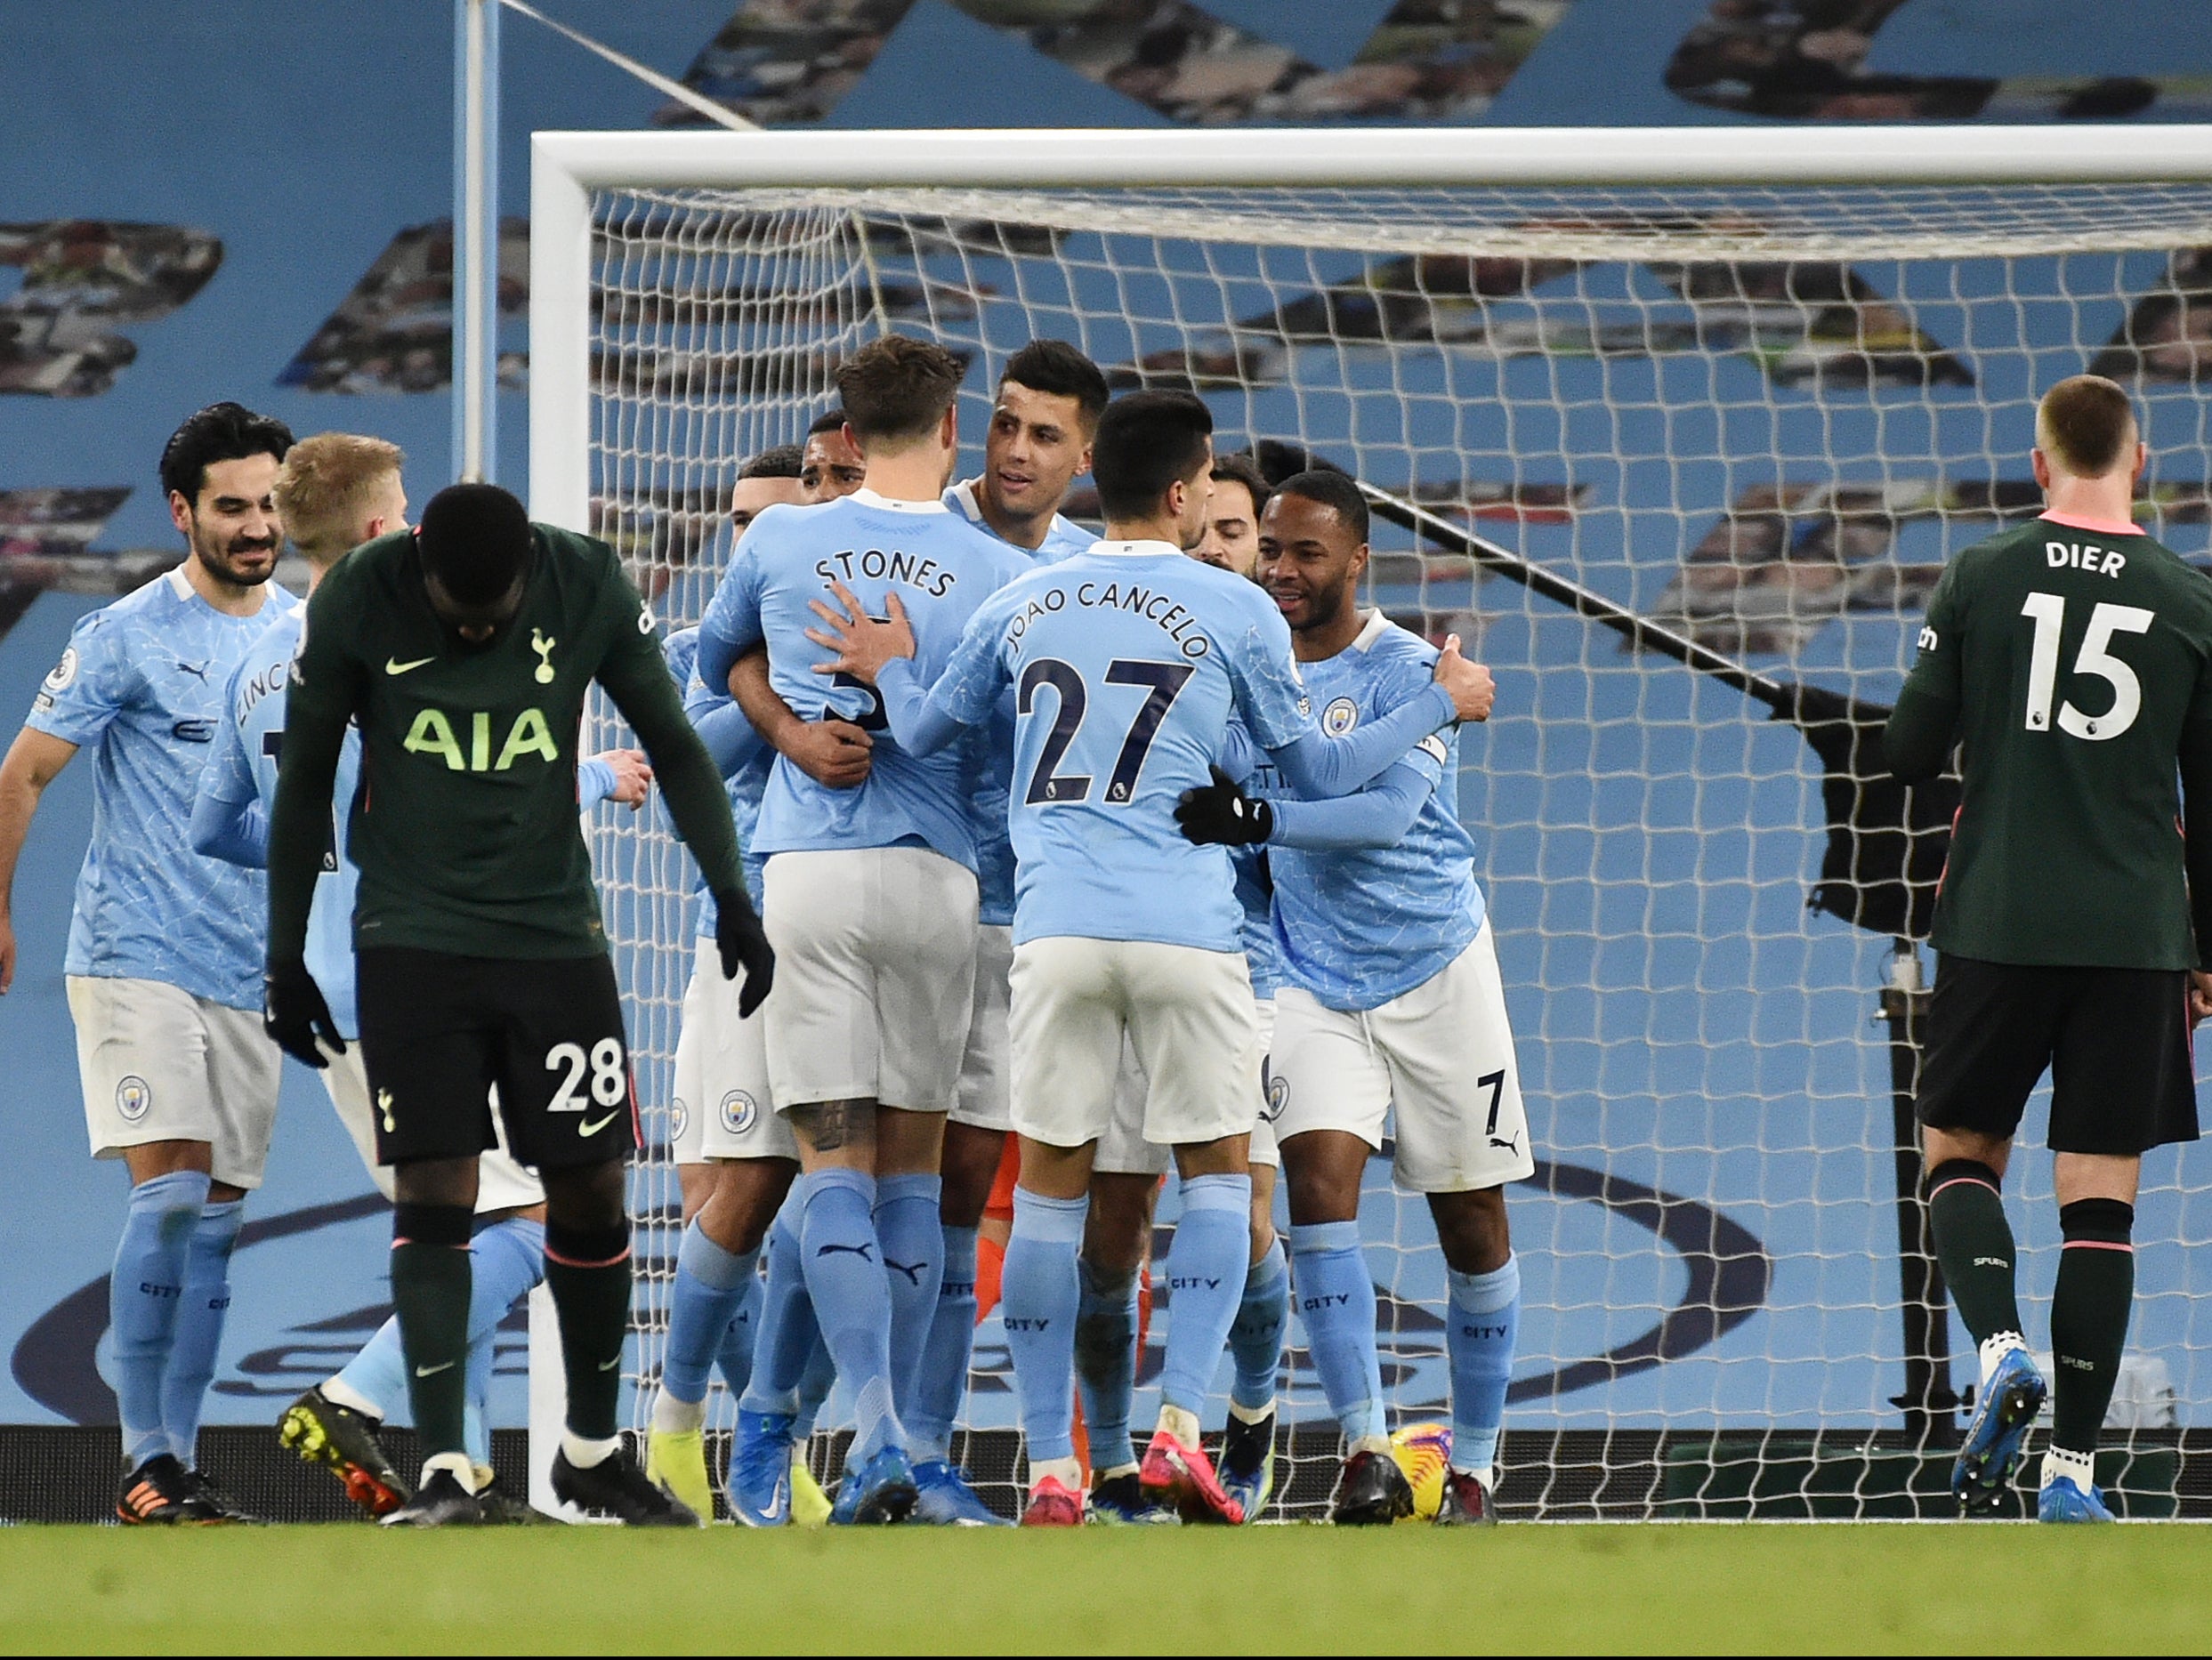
point(1762, 415)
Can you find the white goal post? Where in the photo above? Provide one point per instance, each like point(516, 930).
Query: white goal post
point(1753, 384)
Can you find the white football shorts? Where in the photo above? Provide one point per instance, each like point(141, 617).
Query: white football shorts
point(984, 1101)
point(722, 1108)
point(1187, 1016)
point(1264, 1151)
point(501, 1183)
point(1123, 1149)
point(159, 1064)
point(1442, 1055)
point(874, 976)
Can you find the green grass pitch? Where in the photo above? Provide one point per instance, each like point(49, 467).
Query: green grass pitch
point(1962, 1589)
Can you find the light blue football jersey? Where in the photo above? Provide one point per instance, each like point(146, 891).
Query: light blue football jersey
point(993, 846)
point(1256, 892)
point(942, 568)
point(1127, 662)
point(1360, 927)
point(747, 783)
point(242, 768)
point(141, 687)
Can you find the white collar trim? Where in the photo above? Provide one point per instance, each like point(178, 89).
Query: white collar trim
point(1370, 631)
point(868, 498)
point(1136, 550)
point(181, 583)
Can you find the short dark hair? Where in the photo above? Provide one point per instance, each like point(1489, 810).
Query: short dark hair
point(475, 539)
point(223, 431)
point(1056, 367)
point(1241, 469)
point(782, 462)
point(831, 421)
point(1334, 490)
point(896, 388)
point(1147, 440)
point(2084, 422)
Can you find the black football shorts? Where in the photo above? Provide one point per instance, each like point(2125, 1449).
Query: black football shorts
point(438, 1032)
point(2115, 1041)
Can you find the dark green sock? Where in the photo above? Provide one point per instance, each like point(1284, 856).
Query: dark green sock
point(430, 1288)
point(588, 1273)
point(1973, 1243)
point(2096, 1289)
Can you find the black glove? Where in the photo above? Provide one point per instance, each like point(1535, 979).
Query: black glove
point(295, 1015)
point(1220, 814)
point(744, 947)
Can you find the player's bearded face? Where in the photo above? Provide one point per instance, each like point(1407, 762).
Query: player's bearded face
point(830, 466)
point(233, 527)
point(1198, 493)
point(1231, 541)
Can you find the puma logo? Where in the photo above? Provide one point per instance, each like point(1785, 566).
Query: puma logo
point(1511, 1143)
point(912, 1270)
point(865, 1253)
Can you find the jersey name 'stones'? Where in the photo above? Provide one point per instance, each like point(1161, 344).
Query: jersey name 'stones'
point(1127, 662)
point(143, 680)
point(465, 822)
point(2073, 657)
point(942, 568)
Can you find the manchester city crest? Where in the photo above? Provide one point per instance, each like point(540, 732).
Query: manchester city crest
point(134, 1098)
point(738, 1112)
point(679, 1119)
point(1340, 717)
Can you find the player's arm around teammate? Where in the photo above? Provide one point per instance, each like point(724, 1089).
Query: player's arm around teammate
point(463, 651)
point(176, 1081)
point(2073, 658)
point(1393, 1001)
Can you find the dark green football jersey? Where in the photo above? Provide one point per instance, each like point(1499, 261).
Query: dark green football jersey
point(2073, 666)
point(465, 826)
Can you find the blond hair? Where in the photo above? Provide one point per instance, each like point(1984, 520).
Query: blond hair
point(2085, 425)
point(328, 486)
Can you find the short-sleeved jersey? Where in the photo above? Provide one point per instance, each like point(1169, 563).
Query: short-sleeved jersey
point(141, 686)
point(994, 847)
point(1127, 662)
point(942, 567)
point(2073, 657)
point(242, 767)
point(746, 785)
point(1360, 926)
point(464, 824)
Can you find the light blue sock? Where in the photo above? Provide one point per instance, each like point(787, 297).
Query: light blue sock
point(787, 1334)
point(1485, 1320)
point(845, 1274)
point(200, 1314)
point(377, 1374)
point(475, 1411)
point(1106, 1364)
point(1335, 1298)
point(941, 1388)
point(1039, 1296)
point(734, 1358)
point(815, 1382)
point(710, 1288)
point(508, 1262)
point(144, 1292)
point(1255, 1337)
point(1205, 1274)
point(914, 1263)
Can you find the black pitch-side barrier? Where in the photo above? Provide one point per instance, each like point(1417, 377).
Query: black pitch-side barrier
point(1886, 844)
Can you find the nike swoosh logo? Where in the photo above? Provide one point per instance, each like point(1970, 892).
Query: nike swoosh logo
point(594, 1129)
point(609, 1365)
point(393, 665)
point(431, 1371)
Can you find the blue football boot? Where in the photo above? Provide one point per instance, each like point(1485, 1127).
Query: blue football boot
point(2061, 1501)
point(1121, 1502)
point(880, 1491)
point(946, 1500)
point(2002, 1415)
point(758, 1486)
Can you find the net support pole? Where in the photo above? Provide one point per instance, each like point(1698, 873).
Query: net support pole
point(1930, 1405)
point(475, 237)
point(559, 493)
